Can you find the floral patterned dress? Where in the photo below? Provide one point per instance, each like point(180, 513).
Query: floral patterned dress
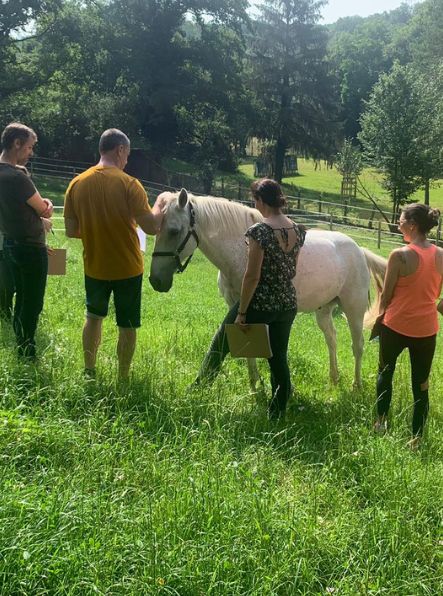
point(275, 290)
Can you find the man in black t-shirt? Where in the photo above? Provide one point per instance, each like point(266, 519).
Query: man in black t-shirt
point(22, 224)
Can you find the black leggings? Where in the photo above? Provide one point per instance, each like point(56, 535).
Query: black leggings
point(421, 353)
point(280, 323)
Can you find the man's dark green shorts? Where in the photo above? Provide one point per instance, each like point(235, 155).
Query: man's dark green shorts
point(127, 299)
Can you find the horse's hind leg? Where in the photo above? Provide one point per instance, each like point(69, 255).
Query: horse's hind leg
point(354, 309)
point(324, 321)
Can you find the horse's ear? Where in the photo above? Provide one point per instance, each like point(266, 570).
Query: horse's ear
point(183, 198)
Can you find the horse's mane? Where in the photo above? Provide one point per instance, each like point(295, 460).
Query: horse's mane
point(230, 218)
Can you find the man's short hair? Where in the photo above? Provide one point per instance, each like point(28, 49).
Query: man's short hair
point(111, 139)
point(14, 131)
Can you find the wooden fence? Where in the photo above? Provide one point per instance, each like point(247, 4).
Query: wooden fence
point(311, 211)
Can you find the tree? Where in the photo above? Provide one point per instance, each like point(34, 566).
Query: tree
point(397, 130)
point(424, 37)
point(360, 50)
point(15, 17)
point(140, 65)
point(168, 66)
point(292, 81)
point(348, 161)
point(429, 141)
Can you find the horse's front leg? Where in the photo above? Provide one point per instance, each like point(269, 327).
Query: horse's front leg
point(324, 321)
point(214, 357)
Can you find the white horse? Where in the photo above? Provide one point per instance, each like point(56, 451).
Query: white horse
point(332, 269)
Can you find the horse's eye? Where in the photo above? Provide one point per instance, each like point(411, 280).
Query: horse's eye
point(174, 231)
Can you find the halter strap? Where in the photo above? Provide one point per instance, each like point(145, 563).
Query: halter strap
point(176, 254)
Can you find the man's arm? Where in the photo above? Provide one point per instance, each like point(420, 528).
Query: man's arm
point(150, 221)
point(72, 228)
point(43, 207)
point(148, 218)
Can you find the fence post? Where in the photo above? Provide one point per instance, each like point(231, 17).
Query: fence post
point(239, 192)
point(439, 232)
point(298, 203)
point(319, 205)
point(331, 221)
point(223, 187)
point(379, 234)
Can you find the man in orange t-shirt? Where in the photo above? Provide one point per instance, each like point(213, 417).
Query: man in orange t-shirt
point(103, 207)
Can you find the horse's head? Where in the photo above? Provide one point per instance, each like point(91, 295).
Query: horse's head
point(176, 241)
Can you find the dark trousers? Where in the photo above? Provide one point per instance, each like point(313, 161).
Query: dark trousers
point(29, 266)
point(421, 353)
point(280, 323)
point(7, 288)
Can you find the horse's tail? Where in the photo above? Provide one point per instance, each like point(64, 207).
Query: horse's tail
point(377, 267)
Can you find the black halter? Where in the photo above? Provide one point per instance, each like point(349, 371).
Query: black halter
point(179, 250)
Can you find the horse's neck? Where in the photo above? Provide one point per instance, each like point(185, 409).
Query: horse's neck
point(224, 253)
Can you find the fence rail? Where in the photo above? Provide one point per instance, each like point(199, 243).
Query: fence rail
point(307, 210)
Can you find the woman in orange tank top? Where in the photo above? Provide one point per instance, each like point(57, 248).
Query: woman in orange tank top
point(412, 286)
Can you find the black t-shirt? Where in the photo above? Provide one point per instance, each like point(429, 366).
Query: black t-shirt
point(18, 221)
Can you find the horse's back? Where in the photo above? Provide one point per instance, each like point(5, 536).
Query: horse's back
point(328, 263)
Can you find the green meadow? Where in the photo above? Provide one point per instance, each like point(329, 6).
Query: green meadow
point(326, 182)
point(156, 488)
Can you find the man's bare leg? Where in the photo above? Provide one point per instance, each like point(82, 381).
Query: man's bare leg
point(127, 338)
point(92, 336)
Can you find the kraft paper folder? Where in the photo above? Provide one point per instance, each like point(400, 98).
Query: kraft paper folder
point(252, 342)
point(57, 262)
point(142, 239)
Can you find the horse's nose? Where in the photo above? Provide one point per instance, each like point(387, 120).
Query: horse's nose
point(158, 284)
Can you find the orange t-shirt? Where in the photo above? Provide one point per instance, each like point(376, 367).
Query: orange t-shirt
point(412, 310)
point(106, 201)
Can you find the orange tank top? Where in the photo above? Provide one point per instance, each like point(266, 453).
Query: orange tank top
point(412, 310)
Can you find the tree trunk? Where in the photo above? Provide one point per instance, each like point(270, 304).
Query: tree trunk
point(280, 151)
point(427, 185)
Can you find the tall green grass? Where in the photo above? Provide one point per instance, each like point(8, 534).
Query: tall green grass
point(154, 488)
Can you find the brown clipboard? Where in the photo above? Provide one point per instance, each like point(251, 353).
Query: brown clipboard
point(250, 342)
point(57, 261)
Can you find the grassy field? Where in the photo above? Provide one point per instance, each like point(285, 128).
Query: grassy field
point(327, 183)
point(156, 489)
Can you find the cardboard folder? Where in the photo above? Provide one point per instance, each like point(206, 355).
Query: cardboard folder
point(57, 262)
point(249, 342)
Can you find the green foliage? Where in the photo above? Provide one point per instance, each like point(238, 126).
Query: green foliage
point(194, 79)
point(423, 36)
point(360, 52)
point(15, 17)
